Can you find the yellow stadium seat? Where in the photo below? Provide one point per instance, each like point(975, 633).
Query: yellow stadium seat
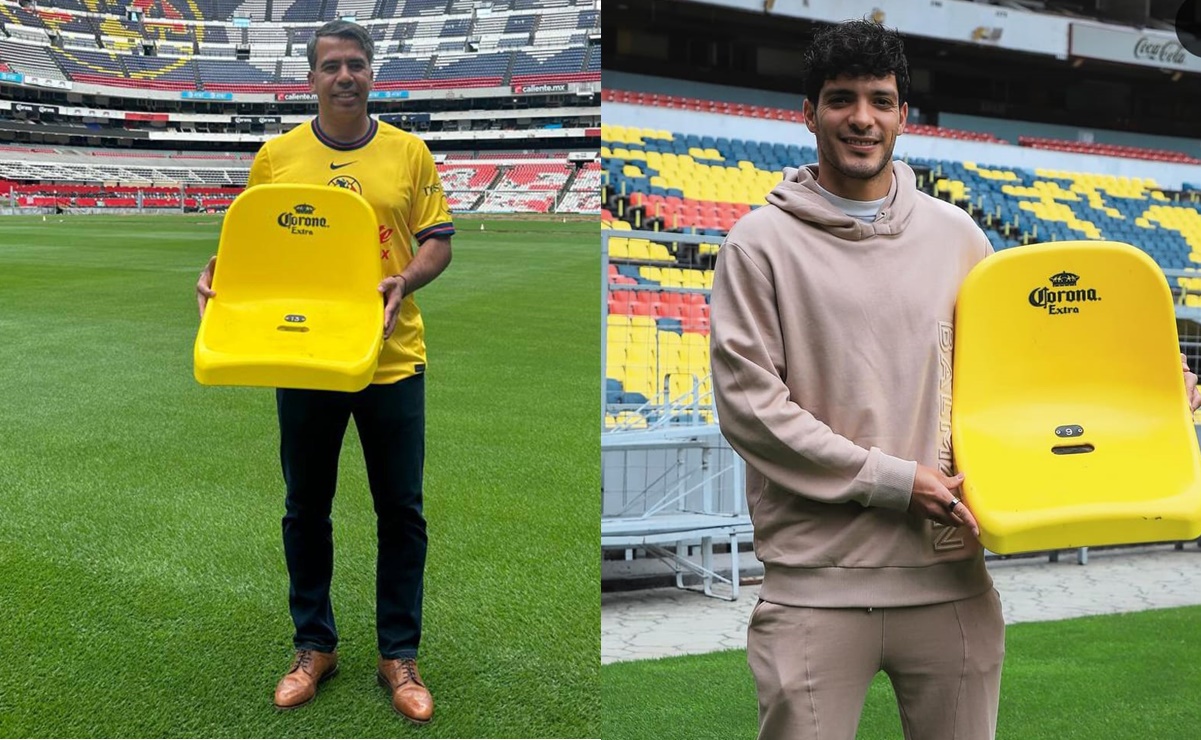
point(650, 273)
point(671, 361)
point(641, 379)
point(669, 341)
point(641, 352)
point(680, 386)
point(297, 302)
point(658, 251)
point(639, 249)
point(617, 335)
point(615, 361)
point(1069, 417)
point(694, 279)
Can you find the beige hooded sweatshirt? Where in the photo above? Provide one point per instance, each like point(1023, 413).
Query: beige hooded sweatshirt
point(831, 348)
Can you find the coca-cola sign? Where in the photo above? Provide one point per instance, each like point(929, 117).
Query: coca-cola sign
point(1164, 52)
point(1130, 46)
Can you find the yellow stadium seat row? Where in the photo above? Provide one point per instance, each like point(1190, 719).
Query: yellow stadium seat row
point(623, 364)
point(656, 351)
point(631, 134)
point(629, 321)
point(1053, 211)
point(1090, 178)
point(677, 277)
point(647, 340)
point(633, 420)
point(1041, 189)
point(737, 183)
point(1134, 188)
point(1174, 217)
point(708, 154)
point(110, 27)
point(638, 249)
point(956, 188)
point(987, 174)
point(659, 389)
point(636, 155)
point(1184, 221)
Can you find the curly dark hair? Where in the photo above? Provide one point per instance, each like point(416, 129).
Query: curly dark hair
point(859, 48)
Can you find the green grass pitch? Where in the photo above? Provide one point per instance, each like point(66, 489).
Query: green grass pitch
point(142, 583)
point(1116, 677)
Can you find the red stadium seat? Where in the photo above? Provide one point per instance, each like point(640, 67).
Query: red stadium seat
point(642, 305)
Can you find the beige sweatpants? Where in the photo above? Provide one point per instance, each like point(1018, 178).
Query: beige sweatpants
point(813, 668)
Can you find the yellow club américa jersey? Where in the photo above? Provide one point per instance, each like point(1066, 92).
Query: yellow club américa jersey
point(395, 172)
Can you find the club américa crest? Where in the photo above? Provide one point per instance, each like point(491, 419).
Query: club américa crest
point(347, 182)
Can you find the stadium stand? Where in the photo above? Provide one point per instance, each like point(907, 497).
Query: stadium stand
point(1107, 150)
point(73, 179)
point(30, 59)
point(688, 183)
point(583, 192)
point(254, 50)
point(423, 44)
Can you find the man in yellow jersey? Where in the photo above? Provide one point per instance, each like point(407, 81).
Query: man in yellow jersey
point(395, 172)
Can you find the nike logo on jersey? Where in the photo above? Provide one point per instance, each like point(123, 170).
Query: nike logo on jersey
point(333, 166)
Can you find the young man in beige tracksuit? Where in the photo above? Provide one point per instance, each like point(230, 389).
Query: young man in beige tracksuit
point(832, 311)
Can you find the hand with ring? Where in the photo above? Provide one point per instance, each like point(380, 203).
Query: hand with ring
point(935, 497)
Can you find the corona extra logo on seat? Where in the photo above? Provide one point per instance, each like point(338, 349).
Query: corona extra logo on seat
point(1064, 279)
point(1063, 290)
point(301, 219)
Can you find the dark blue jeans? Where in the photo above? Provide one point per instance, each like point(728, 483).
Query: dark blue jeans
point(391, 424)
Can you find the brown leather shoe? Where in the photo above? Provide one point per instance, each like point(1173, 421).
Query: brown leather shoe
point(410, 698)
point(299, 685)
